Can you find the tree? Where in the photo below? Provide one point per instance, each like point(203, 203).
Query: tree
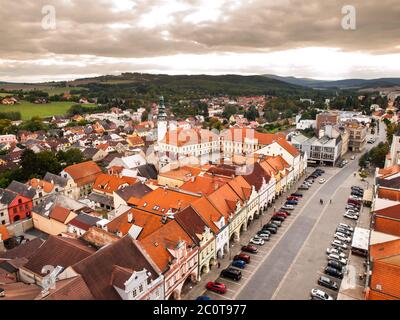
point(70, 157)
point(251, 114)
point(37, 165)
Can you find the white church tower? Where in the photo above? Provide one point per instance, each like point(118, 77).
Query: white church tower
point(162, 124)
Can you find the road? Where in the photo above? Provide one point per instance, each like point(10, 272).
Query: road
point(290, 269)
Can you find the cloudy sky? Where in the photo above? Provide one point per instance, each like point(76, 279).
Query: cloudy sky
point(302, 38)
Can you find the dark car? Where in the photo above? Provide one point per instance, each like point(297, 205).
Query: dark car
point(250, 248)
point(272, 230)
point(203, 298)
point(276, 223)
point(320, 170)
point(278, 218)
point(327, 283)
point(242, 256)
point(335, 264)
point(297, 194)
point(333, 272)
point(264, 231)
point(292, 202)
point(231, 273)
point(356, 202)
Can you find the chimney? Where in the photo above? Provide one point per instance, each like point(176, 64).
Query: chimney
point(164, 219)
point(130, 217)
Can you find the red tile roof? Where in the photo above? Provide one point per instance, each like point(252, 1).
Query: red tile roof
point(108, 183)
point(58, 251)
point(205, 184)
point(161, 200)
point(60, 214)
point(84, 173)
point(167, 237)
point(148, 221)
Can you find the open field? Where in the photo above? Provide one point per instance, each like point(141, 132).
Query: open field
point(29, 110)
point(28, 87)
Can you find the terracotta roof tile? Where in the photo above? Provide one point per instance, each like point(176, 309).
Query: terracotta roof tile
point(58, 251)
point(167, 237)
point(84, 173)
point(60, 214)
point(148, 221)
point(161, 200)
point(97, 270)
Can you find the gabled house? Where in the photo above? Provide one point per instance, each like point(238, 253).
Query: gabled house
point(54, 213)
point(175, 254)
point(120, 271)
point(202, 236)
point(55, 251)
point(84, 175)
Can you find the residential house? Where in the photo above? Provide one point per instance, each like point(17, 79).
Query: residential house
point(175, 254)
point(54, 213)
point(134, 192)
point(202, 236)
point(84, 175)
point(55, 251)
point(121, 271)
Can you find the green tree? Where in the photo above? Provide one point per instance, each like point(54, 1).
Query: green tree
point(70, 157)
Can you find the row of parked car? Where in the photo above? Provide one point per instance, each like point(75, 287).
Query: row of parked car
point(337, 261)
point(337, 254)
point(241, 260)
point(311, 179)
point(354, 203)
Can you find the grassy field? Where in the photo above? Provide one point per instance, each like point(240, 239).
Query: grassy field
point(28, 87)
point(29, 110)
point(59, 90)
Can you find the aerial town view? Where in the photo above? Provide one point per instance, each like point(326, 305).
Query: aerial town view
point(200, 151)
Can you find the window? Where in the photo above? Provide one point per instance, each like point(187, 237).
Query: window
point(19, 200)
point(141, 288)
point(15, 210)
point(3, 222)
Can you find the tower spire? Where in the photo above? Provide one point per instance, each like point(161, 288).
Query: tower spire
point(162, 116)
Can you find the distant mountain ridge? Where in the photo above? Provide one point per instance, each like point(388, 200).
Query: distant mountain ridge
point(339, 84)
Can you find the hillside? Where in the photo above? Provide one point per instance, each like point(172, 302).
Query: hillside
point(339, 84)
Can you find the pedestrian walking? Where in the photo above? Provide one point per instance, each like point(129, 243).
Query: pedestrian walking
point(219, 265)
point(330, 201)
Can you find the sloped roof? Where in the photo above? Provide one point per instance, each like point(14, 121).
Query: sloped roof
point(209, 213)
point(83, 173)
point(167, 237)
point(22, 189)
point(55, 179)
point(191, 222)
point(108, 183)
point(58, 251)
point(69, 289)
point(148, 171)
point(41, 184)
point(256, 175)
point(161, 200)
point(84, 221)
point(147, 221)
point(25, 250)
point(137, 190)
point(205, 184)
point(59, 213)
point(97, 270)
